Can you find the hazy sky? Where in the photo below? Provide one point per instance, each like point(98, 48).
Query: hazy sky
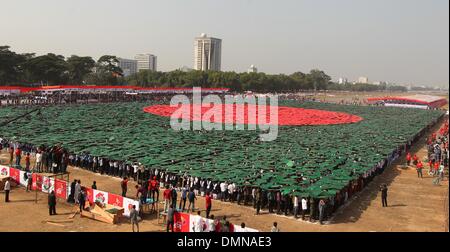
point(403, 41)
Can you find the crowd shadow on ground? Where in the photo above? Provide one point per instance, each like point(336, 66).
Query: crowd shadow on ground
point(362, 200)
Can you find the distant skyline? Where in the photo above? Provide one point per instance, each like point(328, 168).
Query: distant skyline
point(401, 41)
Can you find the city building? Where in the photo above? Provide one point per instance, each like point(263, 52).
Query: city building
point(146, 61)
point(252, 69)
point(207, 53)
point(342, 80)
point(128, 66)
point(363, 80)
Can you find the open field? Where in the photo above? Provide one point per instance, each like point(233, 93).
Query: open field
point(415, 205)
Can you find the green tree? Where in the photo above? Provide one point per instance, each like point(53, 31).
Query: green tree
point(318, 79)
point(79, 68)
point(11, 66)
point(107, 72)
point(49, 68)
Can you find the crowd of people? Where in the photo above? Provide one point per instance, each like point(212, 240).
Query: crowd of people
point(58, 98)
point(56, 159)
point(437, 155)
point(53, 159)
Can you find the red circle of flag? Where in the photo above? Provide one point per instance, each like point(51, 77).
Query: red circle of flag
point(287, 116)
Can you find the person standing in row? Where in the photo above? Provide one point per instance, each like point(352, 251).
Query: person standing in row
point(124, 185)
point(167, 195)
point(208, 202)
point(11, 155)
point(170, 218)
point(174, 197)
point(52, 203)
point(77, 191)
point(183, 198)
point(258, 200)
point(419, 169)
point(7, 188)
point(384, 190)
point(191, 198)
point(18, 155)
point(296, 206)
point(408, 159)
point(304, 207)
point(39, 161)
point(29, 180)
point(94, 185)
point(321, 210)
point(82, 200)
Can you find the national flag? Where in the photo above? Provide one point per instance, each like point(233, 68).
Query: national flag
point(61, 189)
point(116, 200)
point(23, 181)
point(14, 174)
point(89, 194)
point(37, 182)
point(181, 222)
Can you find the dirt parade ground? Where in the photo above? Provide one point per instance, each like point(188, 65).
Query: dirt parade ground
point(414, 205)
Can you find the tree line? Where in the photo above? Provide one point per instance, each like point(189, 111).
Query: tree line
point(51, 69)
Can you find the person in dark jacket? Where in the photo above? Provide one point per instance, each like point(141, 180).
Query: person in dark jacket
point(384, 190)
point(170, 218)
point(82, 200)
point(71, 198)
point(174, 197)
point(52, 203)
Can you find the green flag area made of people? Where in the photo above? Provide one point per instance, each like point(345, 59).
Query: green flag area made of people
point(312, 160)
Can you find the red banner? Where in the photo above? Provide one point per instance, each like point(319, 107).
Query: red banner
point(181, 222)
point(116, 200)
point(89, 194)
point(15, 175)
point(61, 189)
point(37, 182)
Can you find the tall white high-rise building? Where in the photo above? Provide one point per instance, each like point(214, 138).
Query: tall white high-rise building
point(128, 66)
point(146, 61)
point(207, 53)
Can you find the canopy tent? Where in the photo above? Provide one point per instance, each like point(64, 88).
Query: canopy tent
point(418, 101)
